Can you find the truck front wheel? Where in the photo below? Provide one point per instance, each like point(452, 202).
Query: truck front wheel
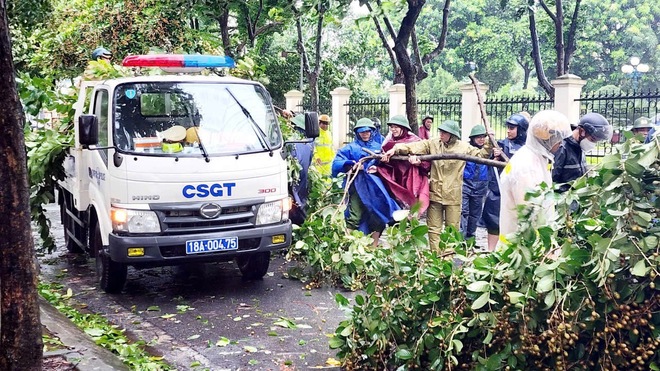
point(111, 275)
point(254, 266)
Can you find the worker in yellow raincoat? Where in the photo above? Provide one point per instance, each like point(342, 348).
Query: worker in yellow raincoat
point(324, 153)
point(446, 179)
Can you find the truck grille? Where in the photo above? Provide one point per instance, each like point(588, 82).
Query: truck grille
point(177, 219)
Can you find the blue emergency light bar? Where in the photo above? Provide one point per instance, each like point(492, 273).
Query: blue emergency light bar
point(178, 60)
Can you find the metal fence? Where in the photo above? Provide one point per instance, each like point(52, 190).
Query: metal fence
point(499, 109)
point(621, 109)
point(371, 108)
point(324, 107)
point(442, 109)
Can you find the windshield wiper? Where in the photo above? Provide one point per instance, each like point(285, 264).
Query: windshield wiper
point(199, 138)
point(263, 139)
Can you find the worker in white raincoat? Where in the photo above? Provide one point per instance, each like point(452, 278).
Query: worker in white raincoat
point(530, 167)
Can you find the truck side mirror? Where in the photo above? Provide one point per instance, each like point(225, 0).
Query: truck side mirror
point(311, 125)
point(88, 130)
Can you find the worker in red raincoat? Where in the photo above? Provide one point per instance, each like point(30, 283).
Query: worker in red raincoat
point(408, 183)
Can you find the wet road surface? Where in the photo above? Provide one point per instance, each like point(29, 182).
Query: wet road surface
point(206, 316)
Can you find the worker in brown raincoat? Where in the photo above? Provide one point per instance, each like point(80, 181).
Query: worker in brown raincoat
point(446, 179)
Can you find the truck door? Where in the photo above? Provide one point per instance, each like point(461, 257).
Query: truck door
point(97, 160)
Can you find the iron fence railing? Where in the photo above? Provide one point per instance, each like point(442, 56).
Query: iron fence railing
point(621, 109)
point(442, 109)
point(371, 108)
point(499, 109)
point(324, 107)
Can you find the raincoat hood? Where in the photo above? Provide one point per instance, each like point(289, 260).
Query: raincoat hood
point(546, 130)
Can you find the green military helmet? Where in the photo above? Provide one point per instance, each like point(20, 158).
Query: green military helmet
point(299, 121)
point(364, 123)
point(451, 127)
point(642, 123)
point(399, 120)
point(477, 130)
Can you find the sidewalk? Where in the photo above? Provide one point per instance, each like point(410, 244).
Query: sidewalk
point(81, 350)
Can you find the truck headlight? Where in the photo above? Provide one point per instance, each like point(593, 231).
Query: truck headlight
point(273, 212)
point(134, 221)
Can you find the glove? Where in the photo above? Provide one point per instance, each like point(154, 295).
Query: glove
point(348, 165)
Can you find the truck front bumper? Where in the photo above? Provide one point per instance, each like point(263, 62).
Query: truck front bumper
point(171, 249)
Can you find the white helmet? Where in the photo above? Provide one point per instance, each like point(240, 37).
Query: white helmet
point(547, 128)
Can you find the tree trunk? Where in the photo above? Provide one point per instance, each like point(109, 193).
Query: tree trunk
point(20, 329)
point(559, 37)
point(313, 81)
point(223, 22)
point(527, 71)
point(405, 62)
point(536, 57)
point(572, 33)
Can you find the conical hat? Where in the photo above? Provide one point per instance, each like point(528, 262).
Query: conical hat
point(176, 133)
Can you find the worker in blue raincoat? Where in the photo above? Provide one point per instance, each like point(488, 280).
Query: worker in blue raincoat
point(370, 206)
point(303, 153)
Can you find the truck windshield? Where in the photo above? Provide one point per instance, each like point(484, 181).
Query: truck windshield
point(179, 118)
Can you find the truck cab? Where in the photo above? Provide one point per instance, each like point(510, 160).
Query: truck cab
point(173, 169)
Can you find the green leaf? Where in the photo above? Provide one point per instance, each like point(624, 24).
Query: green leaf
point(648, 157)
point(550, 298)
point(346, 331)
point(618, 212)
point(153, 308)
point(94, 332)
point(514, 296)
point(403, 354)
point(359, 300)
point(341, 300)
point(488, 338)
point(640, 269)
point(250, 349)
point(481, 301)
point(222, 342)
point(545, 284)
point(285, 322)
point(335, 342)
point(479, 286)
point(193, 337)
point(633, 168)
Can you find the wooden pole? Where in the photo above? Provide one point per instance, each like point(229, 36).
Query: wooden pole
point(484, 117)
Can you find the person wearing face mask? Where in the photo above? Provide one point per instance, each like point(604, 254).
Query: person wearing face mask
point(570, 161)
point(530, 167)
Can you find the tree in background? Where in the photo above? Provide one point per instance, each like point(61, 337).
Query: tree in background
point(317, 13)
point(20, 330)
point(408, 56)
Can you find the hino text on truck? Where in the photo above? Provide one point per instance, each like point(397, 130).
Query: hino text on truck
point(174, 169)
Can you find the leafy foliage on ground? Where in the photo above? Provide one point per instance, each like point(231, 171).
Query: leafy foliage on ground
point(325, 252)
point(579, 294)
point(103, 333)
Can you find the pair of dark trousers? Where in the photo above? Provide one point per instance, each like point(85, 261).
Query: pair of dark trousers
point(471, 208)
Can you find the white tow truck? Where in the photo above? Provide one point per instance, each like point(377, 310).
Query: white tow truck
point(174, 169)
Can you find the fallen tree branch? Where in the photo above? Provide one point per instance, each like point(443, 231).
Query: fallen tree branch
point(442, 156)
